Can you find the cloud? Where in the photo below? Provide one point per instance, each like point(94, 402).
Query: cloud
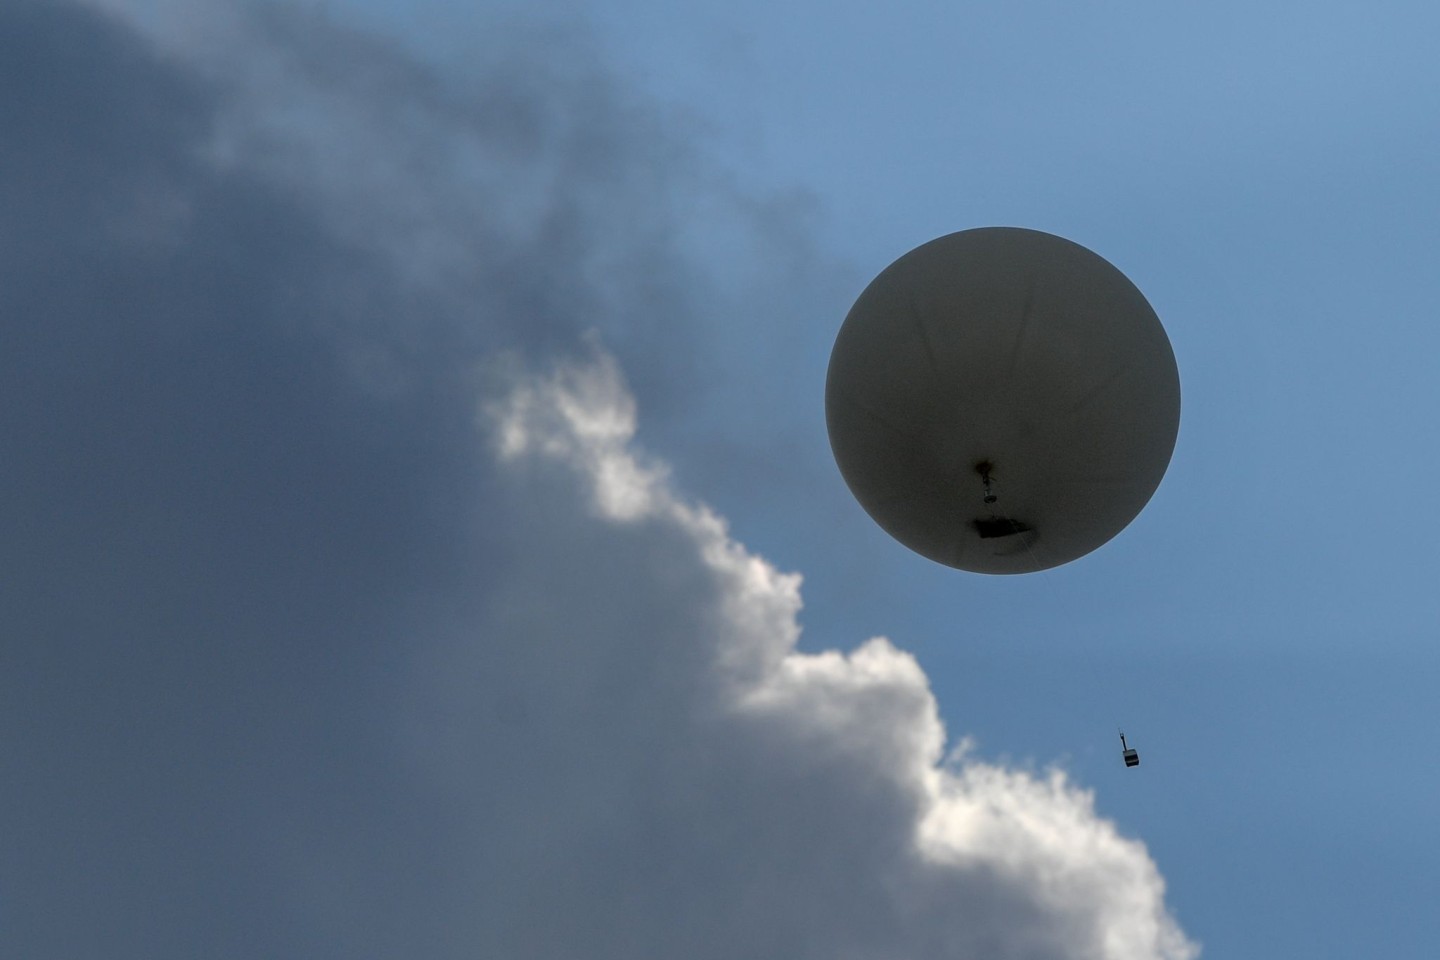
point(845, 834)
point(307, 657)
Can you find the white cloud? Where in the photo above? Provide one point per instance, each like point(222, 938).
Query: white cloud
point(826, 758)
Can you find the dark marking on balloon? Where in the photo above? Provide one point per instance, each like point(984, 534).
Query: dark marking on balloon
point(991, 527)
point(1025, 316)
point(1096, 392)
point(1021, 333)
point(925, 339)
point(1112, 480)
point(881, 418)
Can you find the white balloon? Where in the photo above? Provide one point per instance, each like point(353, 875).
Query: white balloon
point(1010, 356)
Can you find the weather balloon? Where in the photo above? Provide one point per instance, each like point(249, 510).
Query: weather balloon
point(1002, 400)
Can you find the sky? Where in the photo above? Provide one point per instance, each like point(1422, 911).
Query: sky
point(423, 538)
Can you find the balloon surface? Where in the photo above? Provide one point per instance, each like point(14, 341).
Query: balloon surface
point(1002, 400)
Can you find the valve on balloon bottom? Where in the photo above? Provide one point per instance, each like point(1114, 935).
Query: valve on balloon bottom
point(994, 525)
point(983, 468)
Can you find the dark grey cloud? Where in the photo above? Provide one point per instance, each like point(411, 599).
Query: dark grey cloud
point(210, 522)
point(304, 656)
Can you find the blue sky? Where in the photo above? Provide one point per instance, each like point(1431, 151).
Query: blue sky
point(272, 276)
